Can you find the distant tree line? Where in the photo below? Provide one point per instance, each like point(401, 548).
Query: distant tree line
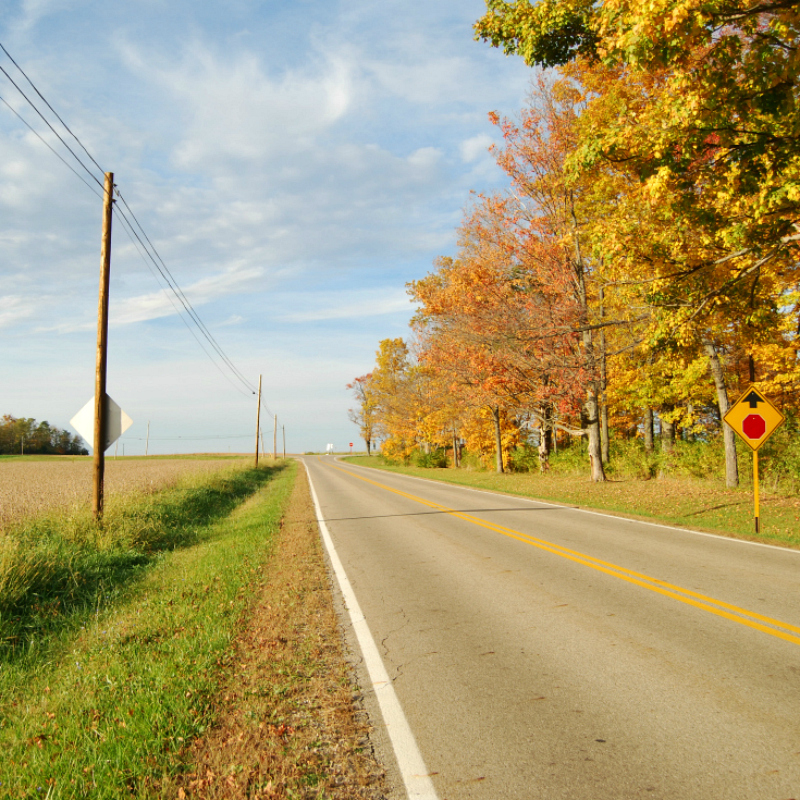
point(18, 435)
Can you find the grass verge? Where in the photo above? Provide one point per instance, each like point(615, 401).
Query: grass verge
point(684, 502)
point(127, 664)
point(287, 724)
point(57, 568)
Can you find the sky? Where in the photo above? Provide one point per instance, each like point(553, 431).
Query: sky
point(295, 163)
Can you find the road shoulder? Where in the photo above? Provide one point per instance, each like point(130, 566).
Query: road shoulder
point(289, 719)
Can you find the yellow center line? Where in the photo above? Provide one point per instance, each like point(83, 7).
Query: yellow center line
point(734, 613)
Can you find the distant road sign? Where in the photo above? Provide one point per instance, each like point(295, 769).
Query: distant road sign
point(117, 422)
point(753, 418)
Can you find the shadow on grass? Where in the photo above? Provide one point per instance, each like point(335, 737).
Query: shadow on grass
point(50, 583)
point(713, 508)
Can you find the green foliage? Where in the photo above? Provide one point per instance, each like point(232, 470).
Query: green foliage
point(24, 435)
point(547, 33)
point(524, 458)
point(436, 459)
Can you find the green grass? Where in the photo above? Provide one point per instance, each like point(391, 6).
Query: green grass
point(685, 501)
point(106, 684)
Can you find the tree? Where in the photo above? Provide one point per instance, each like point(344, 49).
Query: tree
point(364, 415)
point(23, 432)
point(535, 156)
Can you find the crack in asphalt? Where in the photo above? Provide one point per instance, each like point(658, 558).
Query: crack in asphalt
point(397, 667)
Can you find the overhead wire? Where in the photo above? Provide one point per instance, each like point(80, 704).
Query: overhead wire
point(58, 116)
point(47, 122)
point(130, 229)
point(132, 236)
point(48, 145)
point(185, 302)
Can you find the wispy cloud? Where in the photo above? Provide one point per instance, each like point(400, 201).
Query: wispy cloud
point(13, 309)
point(357, 304)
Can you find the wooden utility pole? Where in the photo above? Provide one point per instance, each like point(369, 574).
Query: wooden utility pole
point(258, 417)
point(283, 428)
point(147, 442)
point(275, 438)
point(102, 352)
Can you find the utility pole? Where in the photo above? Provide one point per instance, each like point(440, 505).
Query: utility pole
point(258, 417)
point(102, 352)
point(283, 428)
point(147, 443)
point(275, 438)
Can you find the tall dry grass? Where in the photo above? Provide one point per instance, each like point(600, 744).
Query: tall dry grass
point(31, 488)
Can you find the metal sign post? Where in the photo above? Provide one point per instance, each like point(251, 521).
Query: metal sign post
point(754, 419)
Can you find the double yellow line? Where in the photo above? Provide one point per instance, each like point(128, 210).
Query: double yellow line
point(774, 627)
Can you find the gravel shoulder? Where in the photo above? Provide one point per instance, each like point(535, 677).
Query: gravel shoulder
point(290, 722)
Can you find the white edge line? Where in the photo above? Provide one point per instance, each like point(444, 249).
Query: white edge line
point(412, 767)
point(718, 536)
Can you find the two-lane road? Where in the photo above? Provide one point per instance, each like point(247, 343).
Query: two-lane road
point(544, 652)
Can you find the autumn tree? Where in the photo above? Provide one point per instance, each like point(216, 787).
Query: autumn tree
point(497, 321)
point(365, 413)
point(535, 155)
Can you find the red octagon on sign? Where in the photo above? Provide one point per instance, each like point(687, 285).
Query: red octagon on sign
point(754, 426)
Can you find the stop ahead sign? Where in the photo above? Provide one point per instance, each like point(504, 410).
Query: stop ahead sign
point(753, 418)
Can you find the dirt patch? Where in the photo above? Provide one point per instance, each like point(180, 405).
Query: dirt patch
point(287, 720)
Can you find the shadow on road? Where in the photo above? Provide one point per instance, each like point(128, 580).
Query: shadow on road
point(449, 511)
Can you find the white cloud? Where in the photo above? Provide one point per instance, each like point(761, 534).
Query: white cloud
point(163, 304)
point(35, 10)
point(13, 309)
point(237, 109)
point(475, 147)
point(426, 157)
point(358, 304)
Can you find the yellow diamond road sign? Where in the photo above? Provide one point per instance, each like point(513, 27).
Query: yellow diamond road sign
point(754, 418)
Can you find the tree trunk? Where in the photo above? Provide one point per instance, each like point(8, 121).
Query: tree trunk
point(728, 436)
point(369, 452)
point(667, 431)
point(498, 439)
point(545, 438)
point(593, 390)
point(605, 449)
point(593, 434)
point(455, 449)
point(648, 430)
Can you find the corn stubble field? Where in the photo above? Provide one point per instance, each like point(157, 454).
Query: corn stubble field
point(32, 487)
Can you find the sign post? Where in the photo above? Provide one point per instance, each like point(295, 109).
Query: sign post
point(754, 419)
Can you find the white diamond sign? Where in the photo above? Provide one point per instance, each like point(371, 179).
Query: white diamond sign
point(117, 422)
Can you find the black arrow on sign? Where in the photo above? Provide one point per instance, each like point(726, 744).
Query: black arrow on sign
point(754, 399)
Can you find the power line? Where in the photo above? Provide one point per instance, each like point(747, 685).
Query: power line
point(130, 229)
point(185, 302)
point(48, 145)
point(187, 438)
point(132, 236)
point(47, 122)
point(58, 117)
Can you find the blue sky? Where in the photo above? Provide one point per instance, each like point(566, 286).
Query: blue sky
point(294, 163)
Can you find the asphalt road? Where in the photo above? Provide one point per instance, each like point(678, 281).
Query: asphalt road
point(545, 652)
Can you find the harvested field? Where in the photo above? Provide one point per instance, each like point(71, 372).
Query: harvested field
point(28, 488)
